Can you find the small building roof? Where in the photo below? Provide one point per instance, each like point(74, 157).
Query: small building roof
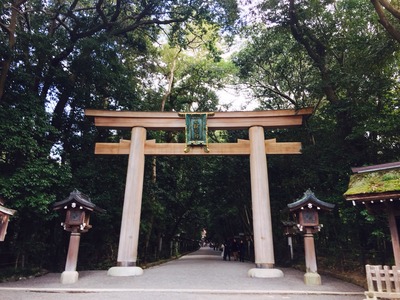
point(379, 182)
point(5, 210)
point(79, 198)
point(309, 199)
point(387, 166)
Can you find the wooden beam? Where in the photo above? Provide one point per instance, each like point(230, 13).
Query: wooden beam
point(220, 120)
point(242, 147)
point(173, 115)
point(283, 148)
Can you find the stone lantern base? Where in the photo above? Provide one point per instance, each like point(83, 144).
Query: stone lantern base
point(68, 277)
point(311, 278)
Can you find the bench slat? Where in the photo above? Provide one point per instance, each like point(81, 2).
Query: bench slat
point(378, 278)
point(370, 282)
point(387, 272)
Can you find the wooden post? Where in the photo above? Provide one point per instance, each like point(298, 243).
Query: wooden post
point(290, 245)
point(395, 236)
point(311, 277)
point(309, 252)
point(70, 275)
point(73, 250)
point(130, 224)
point(262, 224)
point(129, 236)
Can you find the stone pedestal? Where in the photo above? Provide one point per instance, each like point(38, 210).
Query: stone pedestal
point(312, 278)
point(68, 277)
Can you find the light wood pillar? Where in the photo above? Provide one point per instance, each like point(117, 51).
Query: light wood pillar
point(395, 236)
point(129, 236)
point(262, 224)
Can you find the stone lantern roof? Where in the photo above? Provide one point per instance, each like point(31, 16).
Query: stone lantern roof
point(80, 199)
point(309, 200)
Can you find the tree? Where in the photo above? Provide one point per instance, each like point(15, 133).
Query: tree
point(194, 69)
point(279, 74)
point(57, 58)
point(335, 57)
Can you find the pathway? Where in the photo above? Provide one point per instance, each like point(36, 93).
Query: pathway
point(200, 275)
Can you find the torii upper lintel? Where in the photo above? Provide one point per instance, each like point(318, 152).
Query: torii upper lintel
point(220, 120)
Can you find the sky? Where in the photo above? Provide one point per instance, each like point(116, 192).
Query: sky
point(237, 101)
point(229, 96)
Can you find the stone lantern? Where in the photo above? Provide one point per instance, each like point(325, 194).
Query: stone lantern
point(5, 214)
point(78, 209)
point(306, 214)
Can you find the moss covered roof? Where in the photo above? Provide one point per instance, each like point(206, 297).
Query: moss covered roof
point(374, 182)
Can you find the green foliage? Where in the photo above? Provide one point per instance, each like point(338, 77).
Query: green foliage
point(332, 56)
point(67, 58)
point(194, 70)
point(28, 188)
point(336, 58)
point(274, 67)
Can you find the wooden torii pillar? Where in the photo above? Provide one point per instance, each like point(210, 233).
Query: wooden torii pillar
point(257, 148)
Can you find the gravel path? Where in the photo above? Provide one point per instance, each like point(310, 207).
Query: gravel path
point(200, 275)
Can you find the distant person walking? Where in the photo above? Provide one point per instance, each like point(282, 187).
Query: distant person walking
point(227, 250)
point(242, 250)
point(235, 250)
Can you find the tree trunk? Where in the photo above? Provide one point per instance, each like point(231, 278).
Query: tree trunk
point(11, 30)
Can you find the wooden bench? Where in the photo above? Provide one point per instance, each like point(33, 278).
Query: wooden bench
point(383, 282)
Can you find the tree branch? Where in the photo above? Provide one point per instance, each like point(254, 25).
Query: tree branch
point(317, 51)
point(384, 21)
point(10, 30)
point(147, 22)
point(390, 8)
point(5, 28)
point(117, 11)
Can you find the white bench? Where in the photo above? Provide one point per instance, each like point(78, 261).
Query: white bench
point(383, 282)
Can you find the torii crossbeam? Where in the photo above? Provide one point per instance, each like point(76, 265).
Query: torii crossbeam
point(256, 147)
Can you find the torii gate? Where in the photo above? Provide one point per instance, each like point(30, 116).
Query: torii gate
point(256, 147)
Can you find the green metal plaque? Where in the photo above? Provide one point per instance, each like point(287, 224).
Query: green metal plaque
point(196, 131)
